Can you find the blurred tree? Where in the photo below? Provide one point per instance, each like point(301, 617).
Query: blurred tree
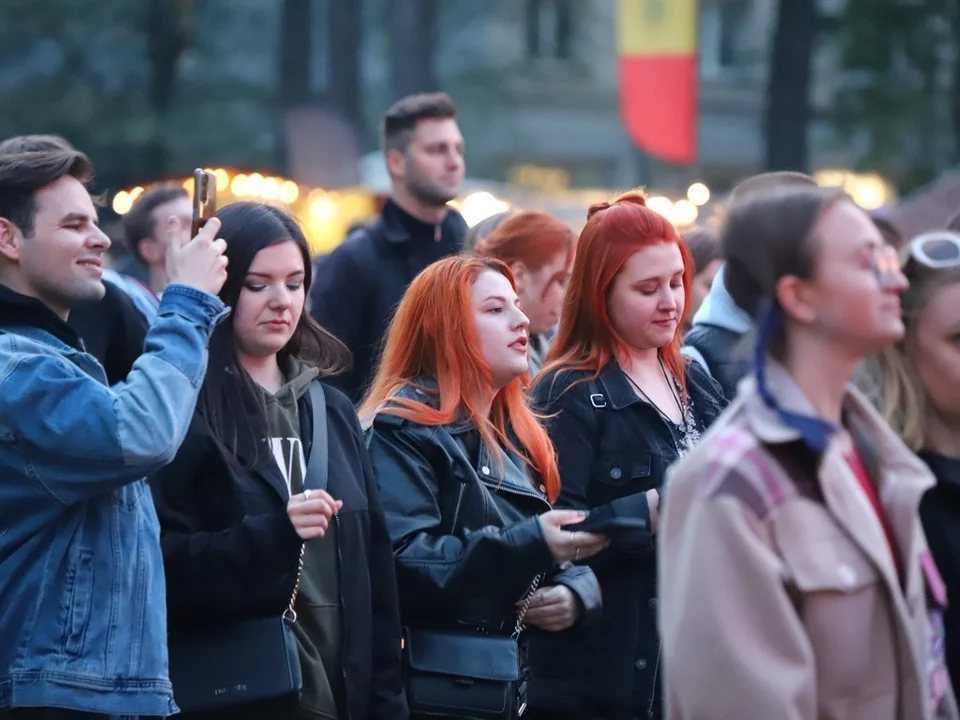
point(296, 50)
point(168, 25)
point(788, 86)
point(414, 28)
point(345, 35)
point(102, 74)
point(895, 97)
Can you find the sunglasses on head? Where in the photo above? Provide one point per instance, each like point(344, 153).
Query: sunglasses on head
point(936, 250)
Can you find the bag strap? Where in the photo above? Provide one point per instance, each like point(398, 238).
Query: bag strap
point(317, 467)
point(525, 605)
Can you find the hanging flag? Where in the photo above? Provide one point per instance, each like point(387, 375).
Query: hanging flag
point(657, 45)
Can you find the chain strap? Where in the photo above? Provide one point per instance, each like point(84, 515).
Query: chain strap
point(525, 605)
point(290, 614)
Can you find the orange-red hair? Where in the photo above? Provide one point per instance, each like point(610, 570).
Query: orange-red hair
point(614, 231)
point(433, 336)
point(531, 237)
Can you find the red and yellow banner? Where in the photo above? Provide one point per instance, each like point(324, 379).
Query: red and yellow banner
point(657, 44)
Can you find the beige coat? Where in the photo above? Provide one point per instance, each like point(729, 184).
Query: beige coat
point(779, 595)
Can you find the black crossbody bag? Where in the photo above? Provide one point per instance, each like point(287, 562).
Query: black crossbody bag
point(256, 659)
point(467, 675)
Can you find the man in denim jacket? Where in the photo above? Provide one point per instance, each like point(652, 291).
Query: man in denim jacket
point(82, 597)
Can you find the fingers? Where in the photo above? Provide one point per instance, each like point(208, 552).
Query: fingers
point(313, 502)
point(310, 512)
point(209, 230)
point(558, 518)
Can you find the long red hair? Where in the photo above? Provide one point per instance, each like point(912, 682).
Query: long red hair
point(614, 231)
point(531, 237)
point(433, 336)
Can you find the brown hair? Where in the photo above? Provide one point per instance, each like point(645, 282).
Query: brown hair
point(29, 163)
point(768, 181)
point(891, 234)
point(138, 224)
point(400, 121)
point(767, 237)
point(704, 247)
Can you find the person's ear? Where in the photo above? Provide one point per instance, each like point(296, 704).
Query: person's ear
point(11, 240)
point(797, 298)
point(396, 164)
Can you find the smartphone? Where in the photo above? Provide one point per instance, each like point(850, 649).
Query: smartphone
point(609, 526)
point(204, 199)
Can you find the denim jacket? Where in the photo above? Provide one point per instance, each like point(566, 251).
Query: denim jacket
point(82, 599)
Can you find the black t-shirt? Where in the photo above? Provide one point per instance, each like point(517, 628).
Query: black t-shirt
point(112, 330)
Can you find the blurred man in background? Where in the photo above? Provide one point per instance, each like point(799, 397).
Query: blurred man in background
point(360, 283)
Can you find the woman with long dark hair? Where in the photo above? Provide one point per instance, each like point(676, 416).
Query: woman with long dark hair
point(795, 578)
point(623, 405)
point(245, 523)
point(467, 476)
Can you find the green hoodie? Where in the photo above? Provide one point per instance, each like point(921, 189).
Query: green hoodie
point(318, 602)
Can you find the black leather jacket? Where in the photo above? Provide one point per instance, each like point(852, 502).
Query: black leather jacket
point(466, 539)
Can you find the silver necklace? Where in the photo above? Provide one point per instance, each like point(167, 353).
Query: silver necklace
point(687, 427)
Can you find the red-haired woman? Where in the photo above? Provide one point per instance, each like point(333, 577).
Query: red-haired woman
point(624, 405)
point(539, 251)
point(467, 476)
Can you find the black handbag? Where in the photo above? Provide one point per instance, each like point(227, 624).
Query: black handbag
point(466, 675)
point(256, 659)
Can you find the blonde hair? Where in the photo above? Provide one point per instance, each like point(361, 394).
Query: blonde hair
point(889, 378)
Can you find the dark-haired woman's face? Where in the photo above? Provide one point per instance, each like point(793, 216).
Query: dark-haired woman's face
point(844, 302)
point(646, 300)
point(271, 301)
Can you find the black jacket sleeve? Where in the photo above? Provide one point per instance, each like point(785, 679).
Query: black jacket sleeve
point(239, 573)
point(575, 431)
point(434, 567)
point(338, 296)
point(583, 583)
point(388, 701)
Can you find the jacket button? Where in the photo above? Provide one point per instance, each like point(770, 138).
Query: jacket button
point(652, 604)
point(485, 470)
point(615, 473)
point(848, 575)
point(640, 664)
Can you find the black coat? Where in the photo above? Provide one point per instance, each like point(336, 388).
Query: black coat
point(357, 287)
point(465, 533)
point(613, 447)
point(231, 554)
point(113, 331)
point(940, 514)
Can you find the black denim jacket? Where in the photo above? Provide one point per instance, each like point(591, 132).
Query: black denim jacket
point(613, 447)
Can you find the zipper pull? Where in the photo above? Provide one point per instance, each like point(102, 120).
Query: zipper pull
point(436, 233)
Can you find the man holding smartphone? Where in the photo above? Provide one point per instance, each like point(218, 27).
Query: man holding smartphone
point(83, 621)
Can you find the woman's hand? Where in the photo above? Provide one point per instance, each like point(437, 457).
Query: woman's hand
point(565, 546)
point(553, 608)
point(310, 512)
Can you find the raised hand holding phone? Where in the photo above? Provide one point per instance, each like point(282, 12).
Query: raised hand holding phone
point(200, 262)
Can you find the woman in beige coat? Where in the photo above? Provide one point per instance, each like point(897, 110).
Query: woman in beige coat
point(795, 579)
